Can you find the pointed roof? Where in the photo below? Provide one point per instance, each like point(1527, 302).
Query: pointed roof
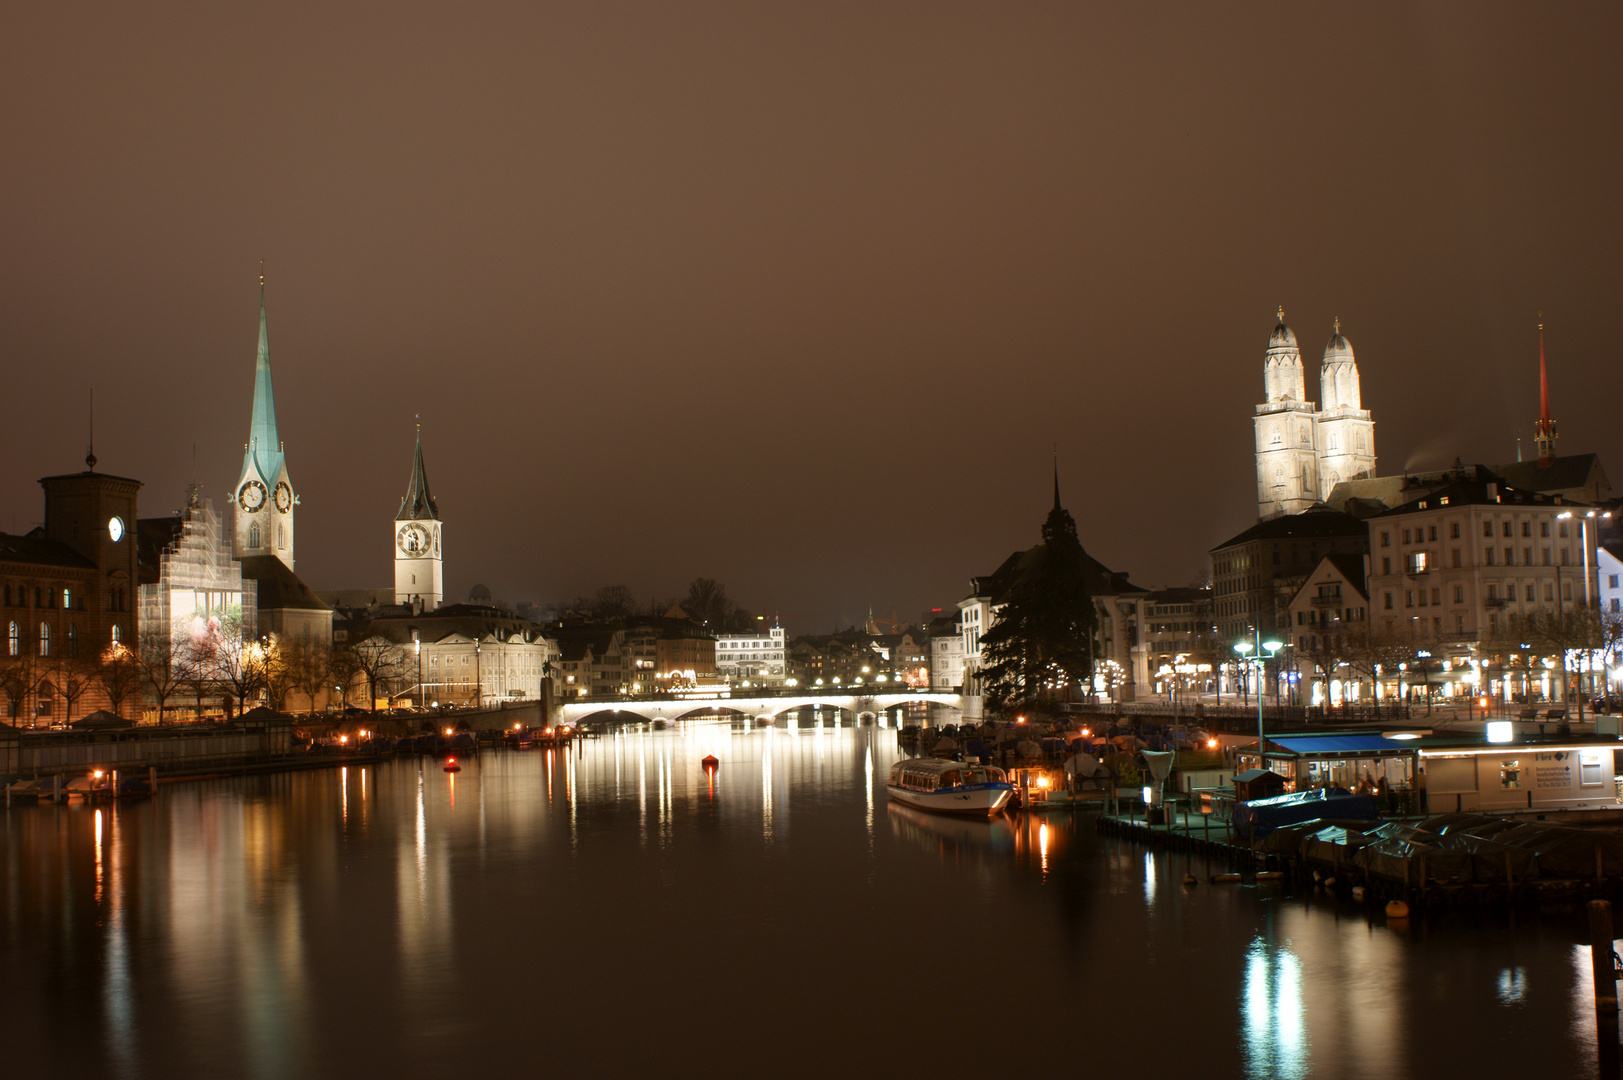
point(1544, 435)
point(418, 505)
point(264, 448)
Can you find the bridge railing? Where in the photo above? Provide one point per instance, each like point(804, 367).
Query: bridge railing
point(751, 693)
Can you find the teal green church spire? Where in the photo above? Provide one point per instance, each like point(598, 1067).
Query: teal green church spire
point(264, 450)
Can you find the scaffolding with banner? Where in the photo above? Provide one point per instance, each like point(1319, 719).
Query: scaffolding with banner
point(200, 607)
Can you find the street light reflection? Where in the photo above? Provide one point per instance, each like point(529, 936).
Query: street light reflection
point(1275, 1037)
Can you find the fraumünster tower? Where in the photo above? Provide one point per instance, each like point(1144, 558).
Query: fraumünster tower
point(1303, 450)
point(264, 496)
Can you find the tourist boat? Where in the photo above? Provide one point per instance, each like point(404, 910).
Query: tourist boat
point(949, 787)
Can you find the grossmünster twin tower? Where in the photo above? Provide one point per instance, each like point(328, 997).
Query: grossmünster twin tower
point(1305, 450)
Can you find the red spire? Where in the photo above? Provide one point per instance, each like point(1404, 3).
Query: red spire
point(1544, 430)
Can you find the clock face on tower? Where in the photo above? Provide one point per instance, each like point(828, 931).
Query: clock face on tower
point(284, 497)
point(413, 539)
point(251, 496)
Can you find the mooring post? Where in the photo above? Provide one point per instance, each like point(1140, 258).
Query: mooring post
point(1600, 960)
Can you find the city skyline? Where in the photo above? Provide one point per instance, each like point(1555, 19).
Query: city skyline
point(681, 334)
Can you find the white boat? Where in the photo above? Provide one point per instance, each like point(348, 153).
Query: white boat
point(949, 787)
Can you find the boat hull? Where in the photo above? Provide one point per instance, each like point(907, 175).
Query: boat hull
point(980, 800)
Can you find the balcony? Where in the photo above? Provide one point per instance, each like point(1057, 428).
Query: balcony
point(1326, 601)
point(1495, 602)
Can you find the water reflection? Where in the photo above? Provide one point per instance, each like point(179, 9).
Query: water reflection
point(1275, 1040)
point(258, 927)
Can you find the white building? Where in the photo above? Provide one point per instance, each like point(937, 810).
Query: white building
point(947, 662)
point(756, 658)
point(1609, 563)
point(1303, 450)
point(419, 565)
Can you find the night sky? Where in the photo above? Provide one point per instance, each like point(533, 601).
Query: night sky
point(796, 296)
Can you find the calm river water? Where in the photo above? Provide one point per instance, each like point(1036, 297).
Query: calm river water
point(610, 909)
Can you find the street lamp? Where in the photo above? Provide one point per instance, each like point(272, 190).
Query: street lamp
point(1245, 649)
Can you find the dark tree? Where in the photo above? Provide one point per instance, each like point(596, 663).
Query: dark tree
point(119, 673)
point(707, 603)
point(1041, 643)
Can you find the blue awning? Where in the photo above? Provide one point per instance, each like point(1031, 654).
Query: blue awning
point(1339, 744)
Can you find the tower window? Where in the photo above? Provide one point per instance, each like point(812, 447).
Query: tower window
point(73, 641)
point(44, 639)
point(118, 634)
point(253, 536)
point(14, 640)
point(1335, 441)
point(1273, 437)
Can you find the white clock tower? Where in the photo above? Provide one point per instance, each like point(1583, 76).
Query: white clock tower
point(264, 495)
point(419, 567)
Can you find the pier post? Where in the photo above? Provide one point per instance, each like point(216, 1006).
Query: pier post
point(1600, 959)
point(152, 778)
point(56, 788)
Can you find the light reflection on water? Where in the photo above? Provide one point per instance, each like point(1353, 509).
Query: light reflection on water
point(370, 919)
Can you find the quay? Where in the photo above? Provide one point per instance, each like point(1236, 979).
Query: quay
point(1590, 866)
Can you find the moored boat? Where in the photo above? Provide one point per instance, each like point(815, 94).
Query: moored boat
point(949, 787)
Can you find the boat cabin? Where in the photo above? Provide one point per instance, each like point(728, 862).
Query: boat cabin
point(925, 774)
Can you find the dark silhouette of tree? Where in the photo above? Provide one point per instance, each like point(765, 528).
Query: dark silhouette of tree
point(380, 663)
point(707, 603)
point(307, 665)
point(161, 667)
point(1041, 642)
point(72, 678)
point(118, 672)
point(343, 668)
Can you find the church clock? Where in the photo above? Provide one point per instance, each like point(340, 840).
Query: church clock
point(251, 496)
point(414, 539)
point(284, 497)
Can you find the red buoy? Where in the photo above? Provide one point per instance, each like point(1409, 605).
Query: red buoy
point(451, 765)
point(709, 762)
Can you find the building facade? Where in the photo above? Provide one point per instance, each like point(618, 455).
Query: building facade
point(760, 659)
point(1303, 450)
point(1255, 574)
point(264, 496)
point(68, 596)
point(419, 564)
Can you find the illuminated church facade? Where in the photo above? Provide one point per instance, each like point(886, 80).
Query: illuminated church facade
point(1304, 450)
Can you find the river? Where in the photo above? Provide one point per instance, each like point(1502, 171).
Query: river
point(614, 909)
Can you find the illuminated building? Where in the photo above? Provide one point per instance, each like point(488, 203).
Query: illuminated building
point(263, 528)
point(758, 658)
point(1330, 608)
point(1255, 574)
point(463, 654)
point(67, 595)
point(193, 596)
point(419, 565)
point(1303, 451)
point(1176, 639)
point(264, 495)
point(946, 644)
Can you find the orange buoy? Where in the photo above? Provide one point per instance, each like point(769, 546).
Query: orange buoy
point(709, 762)
point(1397, 909)
point(451, 765)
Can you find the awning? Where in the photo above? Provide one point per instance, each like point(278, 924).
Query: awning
point(1309, 745)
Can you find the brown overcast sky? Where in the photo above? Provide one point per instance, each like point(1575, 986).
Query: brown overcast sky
point(797, 296)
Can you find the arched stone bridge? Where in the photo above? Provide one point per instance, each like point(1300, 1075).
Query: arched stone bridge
point(675, 707)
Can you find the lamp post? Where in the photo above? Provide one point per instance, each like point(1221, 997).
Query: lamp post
point(1245, 648)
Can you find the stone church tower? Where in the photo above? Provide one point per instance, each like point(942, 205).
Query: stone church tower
point(1346, 432)
point(419, 566)
point(1302, 450)
point(1287, 461)
point(264, 497)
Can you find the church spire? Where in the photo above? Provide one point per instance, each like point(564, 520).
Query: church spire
point(264, 443)
point(418, 505)
point(1544, 430)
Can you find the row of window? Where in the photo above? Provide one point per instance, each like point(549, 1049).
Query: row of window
point(44, 597)
point(45, 640)
point(1434, 596)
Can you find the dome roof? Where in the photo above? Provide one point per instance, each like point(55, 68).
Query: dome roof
point(1282, 334)
point(1339, 348)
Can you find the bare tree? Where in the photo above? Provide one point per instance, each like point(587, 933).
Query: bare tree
point(245, 668)
point(118, 671)
point(380, 662)
point(343, 667)
point(161, 667)
point(73, 678)
point(308, 665)
point(707, 603)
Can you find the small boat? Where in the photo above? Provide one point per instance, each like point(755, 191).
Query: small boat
point(949, 787)
point(451, 765)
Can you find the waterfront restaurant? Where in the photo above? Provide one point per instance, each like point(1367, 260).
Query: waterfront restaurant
point(1355, 760)
point(1494, 771)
